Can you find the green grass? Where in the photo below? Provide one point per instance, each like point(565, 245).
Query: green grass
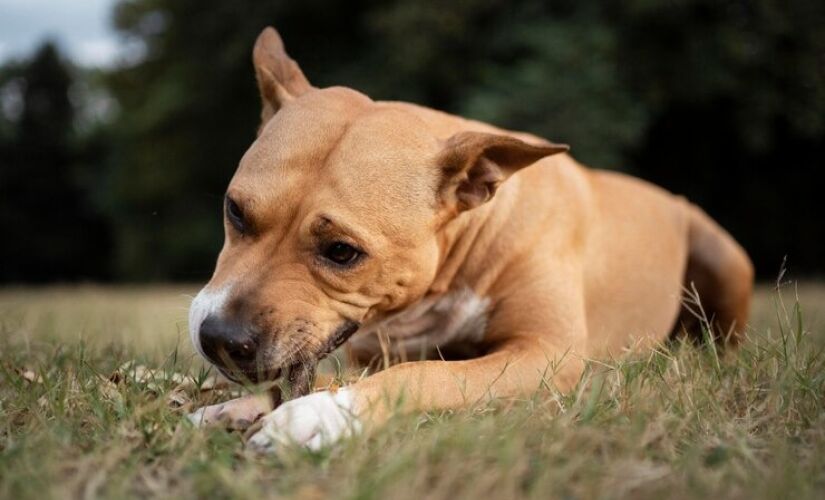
point(680, 422)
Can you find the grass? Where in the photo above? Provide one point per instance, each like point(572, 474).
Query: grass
point(684, 421)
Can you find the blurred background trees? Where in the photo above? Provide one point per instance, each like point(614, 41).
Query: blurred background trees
point(722, 101)
point(51, 228)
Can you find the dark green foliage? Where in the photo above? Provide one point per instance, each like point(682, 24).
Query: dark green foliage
point(50, 229)
point(736, 92)
point(723, 101)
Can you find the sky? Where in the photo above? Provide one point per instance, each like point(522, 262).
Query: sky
point(81, 27)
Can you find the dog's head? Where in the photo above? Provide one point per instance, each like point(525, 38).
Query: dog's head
point(334, 216)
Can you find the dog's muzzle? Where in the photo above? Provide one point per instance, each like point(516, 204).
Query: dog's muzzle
point(233, 347)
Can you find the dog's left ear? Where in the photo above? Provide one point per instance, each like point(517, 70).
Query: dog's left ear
point(280, 79)
point(474, 164)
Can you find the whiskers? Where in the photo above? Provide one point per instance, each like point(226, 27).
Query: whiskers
point(302, 349)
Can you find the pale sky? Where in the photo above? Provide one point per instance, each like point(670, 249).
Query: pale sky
point(81, 27)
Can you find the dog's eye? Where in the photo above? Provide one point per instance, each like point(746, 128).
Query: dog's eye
point(341, 253)
point(235, 215)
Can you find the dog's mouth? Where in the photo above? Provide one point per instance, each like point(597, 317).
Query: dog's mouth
point(299, 376)
point(297, 380)
point(339, 336)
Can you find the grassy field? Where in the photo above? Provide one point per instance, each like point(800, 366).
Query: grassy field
point(685, 421)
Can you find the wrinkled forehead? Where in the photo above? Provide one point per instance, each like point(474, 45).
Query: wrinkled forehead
point(339, 148)
point(303, 132)
point(385, 162)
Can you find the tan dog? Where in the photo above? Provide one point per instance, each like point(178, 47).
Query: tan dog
point(443, 234)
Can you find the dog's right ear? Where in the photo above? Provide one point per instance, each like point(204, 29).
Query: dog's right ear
point(279, 77)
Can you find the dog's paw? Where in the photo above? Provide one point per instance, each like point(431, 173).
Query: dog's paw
point(237, 414)
point(313, 421)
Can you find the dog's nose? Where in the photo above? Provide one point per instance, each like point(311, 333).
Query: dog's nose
point(226, 342)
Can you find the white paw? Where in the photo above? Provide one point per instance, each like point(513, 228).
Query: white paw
point(313, 421)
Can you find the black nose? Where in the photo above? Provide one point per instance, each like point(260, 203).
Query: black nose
point(226, 342)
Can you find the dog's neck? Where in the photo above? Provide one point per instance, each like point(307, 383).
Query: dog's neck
point(471, 232)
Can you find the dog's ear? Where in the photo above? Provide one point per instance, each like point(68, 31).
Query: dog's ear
point(474, 164)
point(279, 77)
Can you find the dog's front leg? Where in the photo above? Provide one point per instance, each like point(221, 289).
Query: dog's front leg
point(538, 335)
point(517, 368)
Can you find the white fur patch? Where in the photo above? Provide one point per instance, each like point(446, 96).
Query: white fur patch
point(313, 421)
point(205, 303)
point(458, 317)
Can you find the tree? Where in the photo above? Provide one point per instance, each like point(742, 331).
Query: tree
point(736, 95)
point(51, 232)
